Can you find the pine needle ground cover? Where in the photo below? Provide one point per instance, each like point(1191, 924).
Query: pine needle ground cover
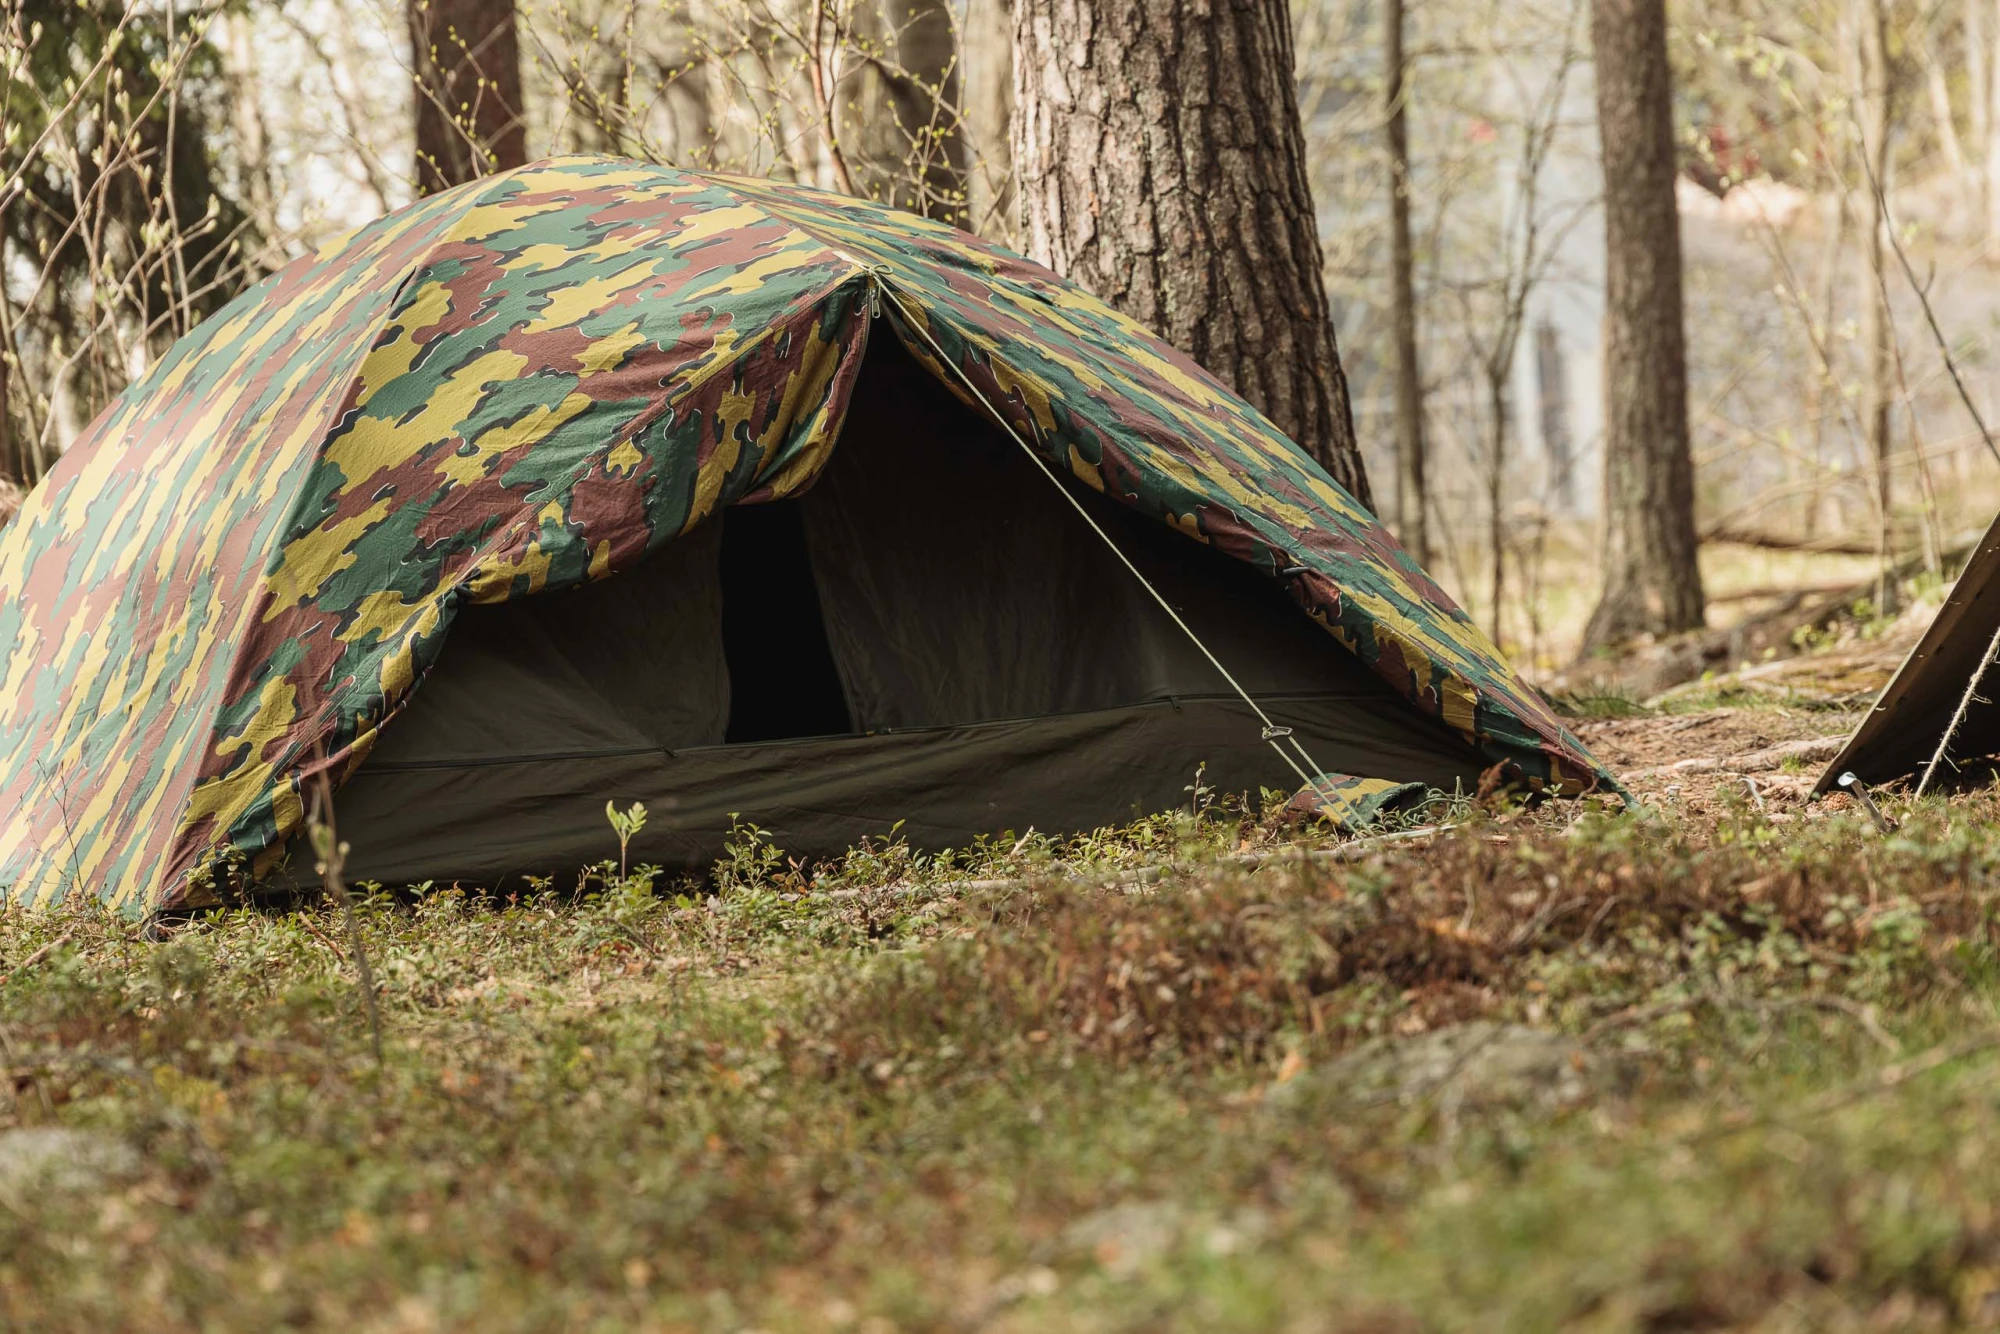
point(1545, 1070)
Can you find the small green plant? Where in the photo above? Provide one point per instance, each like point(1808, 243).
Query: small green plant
point(627, 824)
point(1201, 795)
point(749, 856)
point(1603, 702)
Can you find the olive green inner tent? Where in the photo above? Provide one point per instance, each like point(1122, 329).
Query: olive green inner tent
point(929, 635)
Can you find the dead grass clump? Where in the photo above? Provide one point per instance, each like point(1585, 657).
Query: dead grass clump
point(1579, 925)
point(1211, 973)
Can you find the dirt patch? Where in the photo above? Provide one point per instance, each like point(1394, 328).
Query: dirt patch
point(1698, 762)
point(1628, 744)
point(1826, 648)
point(1850, 674)
point(1778, 723)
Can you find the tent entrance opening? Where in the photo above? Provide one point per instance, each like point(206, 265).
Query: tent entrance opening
point(782, 679)
point(927, 644)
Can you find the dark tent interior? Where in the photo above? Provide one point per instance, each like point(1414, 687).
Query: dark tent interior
point(929, 635)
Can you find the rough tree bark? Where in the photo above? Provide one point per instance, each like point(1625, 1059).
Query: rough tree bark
point(900, 126)
point(1652, 583)
point(1160, 161)
point(467, 65)
point(1412, 494)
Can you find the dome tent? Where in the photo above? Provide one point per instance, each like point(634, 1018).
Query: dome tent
point(583, 375)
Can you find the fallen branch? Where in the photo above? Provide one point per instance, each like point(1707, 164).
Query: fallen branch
point(1640, 1014)
point(1141, 876)
point(1842, 545)
point(1659, 669)
point(1633, 1015)
point(1761, 594)
point(1750, 762)
point(1863, 1015)
point(322, 937)
point(1889, 1077)
point(39, 955)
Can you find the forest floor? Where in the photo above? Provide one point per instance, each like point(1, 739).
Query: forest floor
point(1730, 1060)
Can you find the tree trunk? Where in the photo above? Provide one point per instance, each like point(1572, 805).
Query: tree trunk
point(1872, 94)
point(1980, 117)
point(1499, 413)
point(467, 63)
point(1160, 158)
point(989, 110)
point(1938, 87)
point(1823, 382)
point(689, 102)
point(12, 469)
point(1412, 523)
point(900, 127)
point(1990, 79)
point(1652, 582)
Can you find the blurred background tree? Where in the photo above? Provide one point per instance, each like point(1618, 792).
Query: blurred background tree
point(1652, 576)
point(1420, 184)
point(465, 58)
point(120, 225)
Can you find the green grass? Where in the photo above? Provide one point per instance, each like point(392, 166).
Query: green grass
point(886, 1101)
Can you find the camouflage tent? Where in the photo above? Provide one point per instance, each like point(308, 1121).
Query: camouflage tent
point(621, 380)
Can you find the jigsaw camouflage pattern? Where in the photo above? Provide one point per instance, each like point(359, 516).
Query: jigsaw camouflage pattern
point(233, 582)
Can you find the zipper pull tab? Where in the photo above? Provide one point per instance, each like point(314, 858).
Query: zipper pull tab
point(874, 295)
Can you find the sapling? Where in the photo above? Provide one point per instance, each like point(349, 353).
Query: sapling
point(626, 823)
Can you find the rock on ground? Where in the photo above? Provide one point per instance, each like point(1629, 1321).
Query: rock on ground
point(37, 1160)
point(1483, 1064)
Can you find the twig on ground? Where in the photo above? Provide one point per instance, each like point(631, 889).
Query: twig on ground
point(1634, 1015)
point(39, 955)
point(1545, 916)
point(332, 855)
point(322, 937)
point(1888, 1077)
point(1863, 1015)
point(1140, 876)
